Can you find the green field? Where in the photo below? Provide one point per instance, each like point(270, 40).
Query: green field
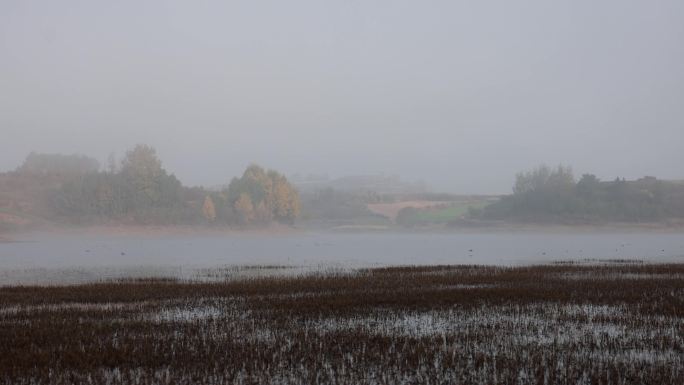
point(443, 214)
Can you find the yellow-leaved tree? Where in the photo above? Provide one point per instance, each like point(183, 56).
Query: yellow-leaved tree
point(269, 194)
point(244, 209)
point(286, 200)
point(208, 209)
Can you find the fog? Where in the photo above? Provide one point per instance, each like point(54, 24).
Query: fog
point(461, 95)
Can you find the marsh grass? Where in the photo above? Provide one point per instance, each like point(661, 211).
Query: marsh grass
point(611, 323)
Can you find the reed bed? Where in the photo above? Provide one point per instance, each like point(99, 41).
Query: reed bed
point(554, 324)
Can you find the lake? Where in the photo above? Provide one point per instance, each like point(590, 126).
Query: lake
point(49, 258)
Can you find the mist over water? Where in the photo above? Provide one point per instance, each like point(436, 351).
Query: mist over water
point(100, 257)
point(458, 95)
point(351, 192)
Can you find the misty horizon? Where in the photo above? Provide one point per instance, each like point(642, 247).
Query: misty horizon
point(341, 192)
point(459, 95)
point(298, 178)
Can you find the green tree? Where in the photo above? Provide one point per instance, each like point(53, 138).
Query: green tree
point(544, 179)
point(143, 173)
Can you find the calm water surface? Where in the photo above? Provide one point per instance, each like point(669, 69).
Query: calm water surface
point(88, 257)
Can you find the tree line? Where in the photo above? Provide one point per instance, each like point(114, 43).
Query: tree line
point(75, 189)
point(139, 190)
point(553, 194)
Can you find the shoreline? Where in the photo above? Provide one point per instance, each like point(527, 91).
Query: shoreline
point(281, 230)
point(145, 231)
point(606, 227)
point(515, 227)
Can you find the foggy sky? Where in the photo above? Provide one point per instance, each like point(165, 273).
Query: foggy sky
point(460, 94)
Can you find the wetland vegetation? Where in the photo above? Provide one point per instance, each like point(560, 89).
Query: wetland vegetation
point(589, 322)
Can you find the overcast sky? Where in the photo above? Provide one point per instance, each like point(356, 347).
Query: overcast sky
point(460, 94)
